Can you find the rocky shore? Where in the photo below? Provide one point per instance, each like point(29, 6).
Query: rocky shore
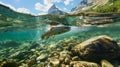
point(100, 21)
point(100, 51)
point(88, 19)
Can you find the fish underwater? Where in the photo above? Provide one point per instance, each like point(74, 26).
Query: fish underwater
point(55, 31)
point(54, 23)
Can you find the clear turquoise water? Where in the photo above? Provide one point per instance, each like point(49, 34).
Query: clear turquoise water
point(25, 34)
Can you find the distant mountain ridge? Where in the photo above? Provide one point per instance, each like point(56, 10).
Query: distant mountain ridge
point(8, 12)
point(87, 4)
point(55, 11)
point(82, 4)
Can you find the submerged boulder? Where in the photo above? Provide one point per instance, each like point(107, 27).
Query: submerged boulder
point(97, 48)
point(83, 64)
point(9, 63)
point(42, 57)
point(54, 62)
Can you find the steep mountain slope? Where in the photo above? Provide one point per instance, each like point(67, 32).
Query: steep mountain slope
point(55, 11)
point(89, 4)
point(100, 2)
point(111, 6)
point(82, 5)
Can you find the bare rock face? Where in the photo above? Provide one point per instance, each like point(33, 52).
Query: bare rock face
point(97, 48)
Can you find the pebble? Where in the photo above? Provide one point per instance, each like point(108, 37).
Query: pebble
point(54, 62)
point(42, 57)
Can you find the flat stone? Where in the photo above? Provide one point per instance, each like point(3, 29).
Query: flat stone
point(54, 62)
point(42, 57)
point(83, 64)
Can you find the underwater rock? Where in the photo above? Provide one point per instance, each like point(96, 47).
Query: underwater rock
point(9, 63)
point(54, 62)
point(52, 46)
point(69, 47)
point(65, 57)
point(105, 63)
point(118, 61)
point(59, 49)
point(33, 50)
point(64, 53)
point(83, 64)
point(42, 57)
point(63, 65)
point(75, 58)
point(24, 65)
point(20, 55)
point(62, 59)
point(30, 62)
point(10, 44)
point(54, 53)
point(97, 48)
point(42, 64)
point(34, 45)
point(67, 60)
point(15, 54)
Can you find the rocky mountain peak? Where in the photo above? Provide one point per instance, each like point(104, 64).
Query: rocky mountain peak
point(55, 11)
point(53, 7)
point(82, 4)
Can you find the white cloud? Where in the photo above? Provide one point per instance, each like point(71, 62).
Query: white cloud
point(46, 5)
point(42, 13)
point(67, 2)
point(41, 7)
point(65, 8)
point(23, 10)
point(50, 2)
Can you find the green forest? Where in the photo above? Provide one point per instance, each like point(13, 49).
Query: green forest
point(113, 6)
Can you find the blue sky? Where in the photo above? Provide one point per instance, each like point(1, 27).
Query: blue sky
point(38, 7)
